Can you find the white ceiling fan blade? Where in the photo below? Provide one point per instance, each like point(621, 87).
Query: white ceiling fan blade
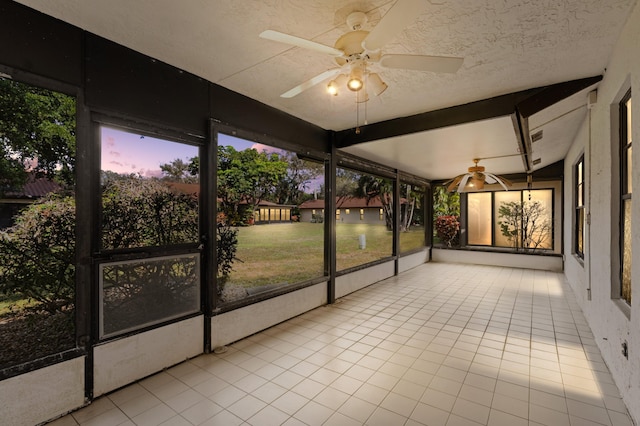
point(422, 63)
point(502, 181)
point(300, 42)
point(463, 182)
point(401, 14)
point(310, 83)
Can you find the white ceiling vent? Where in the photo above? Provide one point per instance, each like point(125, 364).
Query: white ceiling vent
point(536, 136)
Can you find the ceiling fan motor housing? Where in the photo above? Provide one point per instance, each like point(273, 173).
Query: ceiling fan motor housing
point(356, 20)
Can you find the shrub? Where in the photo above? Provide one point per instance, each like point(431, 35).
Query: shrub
point(37, 254)
point(447, 228)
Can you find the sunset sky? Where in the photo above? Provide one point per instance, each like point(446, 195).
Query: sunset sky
point(124, 152)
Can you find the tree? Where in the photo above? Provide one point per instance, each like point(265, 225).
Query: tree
point(411, 199)
point(525, 224)
point(179, 171)
point(245, 178)
point(37, 134)
point(292, 188)
point(445, 203)
point(370, 187)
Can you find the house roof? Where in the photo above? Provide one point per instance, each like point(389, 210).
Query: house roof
point(345, 203)
point(34, 188)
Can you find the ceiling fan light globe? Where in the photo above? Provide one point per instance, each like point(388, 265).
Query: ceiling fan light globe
point(355, 84)
point(375, 84)
point(356, 81)
point(332, 88)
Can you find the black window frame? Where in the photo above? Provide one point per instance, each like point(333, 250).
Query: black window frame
point(579, 208)
point(102, 256)
point(494, 217)
point(625, 149)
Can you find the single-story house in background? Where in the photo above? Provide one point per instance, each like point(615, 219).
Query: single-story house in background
point(348, 210)
point(264, 213)
point(12, 201)
point(268, 212)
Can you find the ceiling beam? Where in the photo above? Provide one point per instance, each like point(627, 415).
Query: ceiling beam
point(549, 95)
point(537, 102)
point(523, 103)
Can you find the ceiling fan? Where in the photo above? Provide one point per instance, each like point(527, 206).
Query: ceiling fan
point(476, 177)
point(358, 52)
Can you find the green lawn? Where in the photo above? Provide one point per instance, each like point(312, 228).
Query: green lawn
point(10, 304)
point(293, 252)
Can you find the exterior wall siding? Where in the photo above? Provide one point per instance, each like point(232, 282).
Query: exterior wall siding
point(612, 323)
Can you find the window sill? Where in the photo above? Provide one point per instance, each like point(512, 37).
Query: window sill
point(624, 307)
point(489, 249)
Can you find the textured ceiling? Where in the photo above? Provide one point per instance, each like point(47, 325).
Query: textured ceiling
point(508, 46)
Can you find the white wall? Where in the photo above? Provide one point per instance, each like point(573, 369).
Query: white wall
point(123, 361)
point(610, 321)
point(353, 281)
point(511, 260)
point(413, 260)
point(35, 397)
point(237, 324)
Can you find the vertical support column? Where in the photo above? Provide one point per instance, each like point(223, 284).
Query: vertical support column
point(208, 218)
point(330, 222)
point(427, 202)
point(87, 202)
point(464, 236)
point(396, 224)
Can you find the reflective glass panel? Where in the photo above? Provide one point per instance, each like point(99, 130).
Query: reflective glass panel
point(479, 218)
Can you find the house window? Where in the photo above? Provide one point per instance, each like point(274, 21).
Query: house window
point(337, 214)
point(361, 214)
point(479, 218)
point(347, 211)
point(625, 196)
point(381, 214)
point(521, 220)
point(579, 208)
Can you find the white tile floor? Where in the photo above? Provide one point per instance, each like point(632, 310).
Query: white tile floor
point(441, 344)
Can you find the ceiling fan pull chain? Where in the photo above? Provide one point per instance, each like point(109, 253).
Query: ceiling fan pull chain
point(357, 115)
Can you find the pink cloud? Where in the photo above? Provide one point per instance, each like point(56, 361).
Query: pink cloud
point(266, 148)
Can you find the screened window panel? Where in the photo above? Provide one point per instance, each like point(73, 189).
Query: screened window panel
point(412, 232)
point(360, 242)
point(150, 190)
point(139, 293)
point(479, 218)
point(37, 234)
point(272, 254)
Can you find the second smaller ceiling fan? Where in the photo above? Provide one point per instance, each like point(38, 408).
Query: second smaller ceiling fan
point(475, 177)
